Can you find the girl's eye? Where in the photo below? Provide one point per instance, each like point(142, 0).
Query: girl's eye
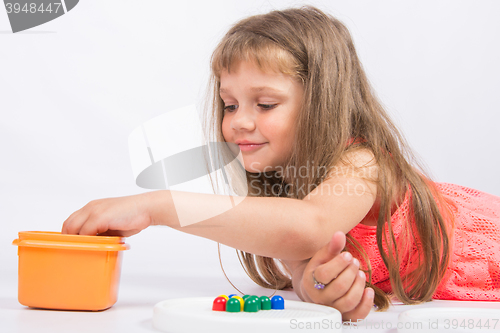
point(230, 108)
point(267, 106)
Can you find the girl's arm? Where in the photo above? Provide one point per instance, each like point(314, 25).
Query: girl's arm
point(274, 227)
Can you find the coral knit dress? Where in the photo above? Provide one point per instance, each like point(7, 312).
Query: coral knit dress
point(474, 269)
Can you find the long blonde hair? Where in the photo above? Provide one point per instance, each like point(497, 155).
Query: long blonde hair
point(338, 105)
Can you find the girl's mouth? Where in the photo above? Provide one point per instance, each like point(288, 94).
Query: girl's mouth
point(250, 147)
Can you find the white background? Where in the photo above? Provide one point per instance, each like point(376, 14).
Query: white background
point(73, 89)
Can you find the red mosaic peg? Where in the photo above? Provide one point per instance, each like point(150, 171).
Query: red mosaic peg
point(219, 304)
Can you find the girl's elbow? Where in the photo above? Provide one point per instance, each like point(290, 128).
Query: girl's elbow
point(302, 244)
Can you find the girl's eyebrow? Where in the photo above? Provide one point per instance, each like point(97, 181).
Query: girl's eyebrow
point(266, 88)
point(256, 89)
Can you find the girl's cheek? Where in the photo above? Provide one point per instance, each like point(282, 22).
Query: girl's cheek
point(226, 128)
point(278, 127)
point(272, 123)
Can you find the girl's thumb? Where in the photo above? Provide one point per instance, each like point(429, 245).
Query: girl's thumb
point(330, 250)
point(337, 244)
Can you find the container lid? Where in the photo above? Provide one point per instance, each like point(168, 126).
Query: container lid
point(56, 240)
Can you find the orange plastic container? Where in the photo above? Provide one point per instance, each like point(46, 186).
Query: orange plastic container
point(68, 272)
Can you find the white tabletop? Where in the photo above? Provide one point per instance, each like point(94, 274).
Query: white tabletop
point(138, 294)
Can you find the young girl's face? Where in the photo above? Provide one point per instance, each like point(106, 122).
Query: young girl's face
point(260, 110)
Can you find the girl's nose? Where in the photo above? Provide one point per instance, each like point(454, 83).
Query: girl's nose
point(243, 119)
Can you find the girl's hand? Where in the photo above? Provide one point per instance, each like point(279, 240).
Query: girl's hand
point(344, 282)
point(122, 216)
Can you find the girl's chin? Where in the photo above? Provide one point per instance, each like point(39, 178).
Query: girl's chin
point(258, 167)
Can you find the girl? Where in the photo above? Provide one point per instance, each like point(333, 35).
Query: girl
point(322, 159)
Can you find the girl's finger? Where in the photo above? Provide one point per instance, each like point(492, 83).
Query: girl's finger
point(338, 287)
point(93, 226)
point(341, 285)
point(329, 251)
point(68, 222)
point(363, 308)
point(73, 224)
point(353, 296)
point(337, 243)
point(330, 270)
